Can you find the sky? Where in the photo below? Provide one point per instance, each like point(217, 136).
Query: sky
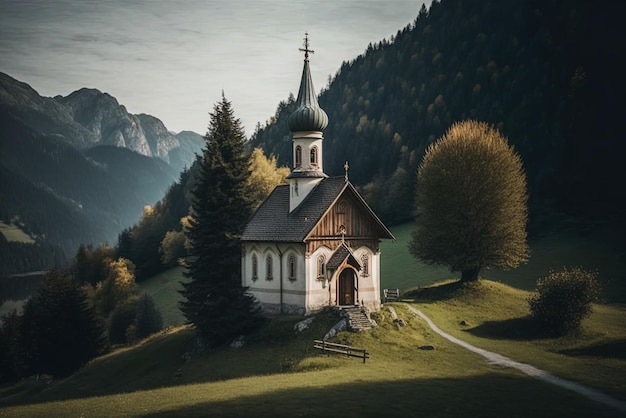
point(173, 59)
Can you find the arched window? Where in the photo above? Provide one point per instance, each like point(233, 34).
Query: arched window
point(269, 275)
point(314, 156)
point(298, 156)
point(255, 267)
point(291, 267)
point(321, 266)
point(365, 265)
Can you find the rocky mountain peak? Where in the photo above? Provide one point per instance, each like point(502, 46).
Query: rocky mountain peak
point(110, 123)
point(89, 117)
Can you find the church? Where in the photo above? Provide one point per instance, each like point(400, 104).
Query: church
point(313, 242)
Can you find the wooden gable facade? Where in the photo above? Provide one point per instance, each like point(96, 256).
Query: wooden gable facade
point(349, 220)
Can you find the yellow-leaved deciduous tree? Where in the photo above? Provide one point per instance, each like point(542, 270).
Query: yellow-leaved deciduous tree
point(471, 202)
point(265, 175)
point(122, 272)
point(118, 288)
point(185, 221)
point(173, 247)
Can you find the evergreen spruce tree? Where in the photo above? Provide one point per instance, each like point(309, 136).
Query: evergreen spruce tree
point(148, 319)
point(59, 329)
point(214, 300)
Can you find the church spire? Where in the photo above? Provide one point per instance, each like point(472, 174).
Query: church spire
point(306, 123)
point(308, 116)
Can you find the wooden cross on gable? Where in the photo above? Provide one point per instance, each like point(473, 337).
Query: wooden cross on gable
point(342, 231)
point(306, 49)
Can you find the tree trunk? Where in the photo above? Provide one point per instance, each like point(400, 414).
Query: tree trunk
point(470, 275)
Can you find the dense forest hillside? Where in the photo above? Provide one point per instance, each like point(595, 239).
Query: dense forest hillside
point(540, 71)
point(78, 170)
point(64, 197)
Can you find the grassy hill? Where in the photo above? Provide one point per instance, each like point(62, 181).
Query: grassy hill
point(164, 288)
point(279, 373)
point(399, 269)
point(598, 250)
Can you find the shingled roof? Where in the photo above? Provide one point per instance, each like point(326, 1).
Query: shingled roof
point(340, 255)
point(272, 221)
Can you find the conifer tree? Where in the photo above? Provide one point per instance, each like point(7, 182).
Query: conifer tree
point(214, 300)
point(148, 319)
point(59, 329)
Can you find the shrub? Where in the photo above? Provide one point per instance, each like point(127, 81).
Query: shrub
point(148, 319)
point(121, 318)
point(563, 299)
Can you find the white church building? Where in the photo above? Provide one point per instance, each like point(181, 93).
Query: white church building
point(314, 242)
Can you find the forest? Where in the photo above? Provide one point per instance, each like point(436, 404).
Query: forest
point(536, 70)
point(533, 70)
point(539, 71)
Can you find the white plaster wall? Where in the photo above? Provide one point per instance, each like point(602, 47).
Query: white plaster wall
point(268, 292)
point(369, 285)
point(299, 189)
point(265, 291)
point(375, 301)
point(306, 293)
point(294, 290)
point(307, 140)
point(317, 295)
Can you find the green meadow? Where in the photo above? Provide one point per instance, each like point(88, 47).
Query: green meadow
point(278, 373)
point(14, 233)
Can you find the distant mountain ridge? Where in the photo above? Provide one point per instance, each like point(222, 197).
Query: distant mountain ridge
point(78, 170)
point(88, 117)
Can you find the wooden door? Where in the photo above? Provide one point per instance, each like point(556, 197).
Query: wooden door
point(346, 288)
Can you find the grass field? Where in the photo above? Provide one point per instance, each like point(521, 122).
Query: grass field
point(399, 269)
point(278, 373)
point(598, 252)
point(164, 288)
point(15, 234)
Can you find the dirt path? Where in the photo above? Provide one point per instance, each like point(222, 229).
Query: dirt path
point(500, 360)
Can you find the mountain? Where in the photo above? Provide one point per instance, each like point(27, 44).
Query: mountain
point(542, 72)
point(88, 117)
point(78, 170)
point(42, 114)
point(191, 144)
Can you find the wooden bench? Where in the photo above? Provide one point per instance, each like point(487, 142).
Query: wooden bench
point(341, 349)
point(389, 295)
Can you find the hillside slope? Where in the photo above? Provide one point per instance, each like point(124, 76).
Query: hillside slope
point(66, 197)
point(78, 170)
point(279, 367)
point(537, 70)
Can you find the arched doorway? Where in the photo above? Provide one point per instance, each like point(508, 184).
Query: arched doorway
point(346, 288)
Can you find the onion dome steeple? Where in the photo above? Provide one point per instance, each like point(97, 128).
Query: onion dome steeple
point(308, 116)
point(306, 123)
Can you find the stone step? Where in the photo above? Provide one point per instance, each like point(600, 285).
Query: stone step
point(358, 319)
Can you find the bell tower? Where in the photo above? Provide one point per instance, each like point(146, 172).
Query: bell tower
point(306, 123)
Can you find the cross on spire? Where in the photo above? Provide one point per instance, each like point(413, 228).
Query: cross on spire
point(306, 49)
point(346, 167)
